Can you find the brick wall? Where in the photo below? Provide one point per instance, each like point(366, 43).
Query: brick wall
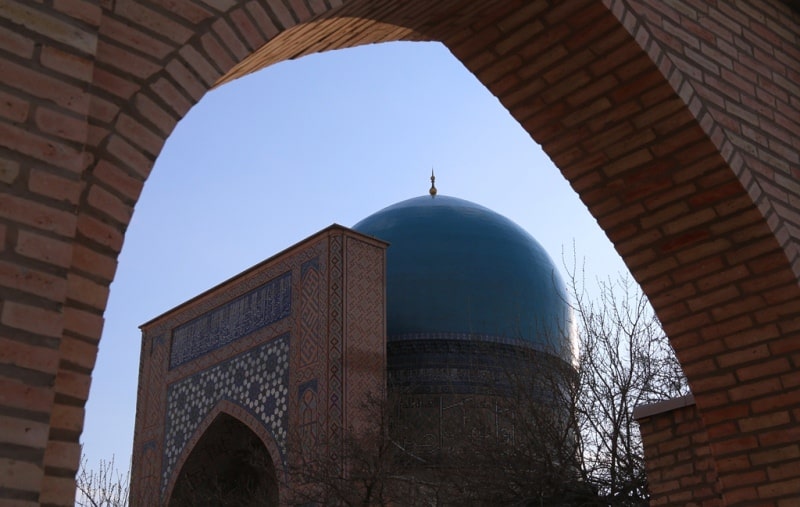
point(676, 122)
point(680, 468)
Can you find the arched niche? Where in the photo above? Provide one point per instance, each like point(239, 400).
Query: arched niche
point(229, 465)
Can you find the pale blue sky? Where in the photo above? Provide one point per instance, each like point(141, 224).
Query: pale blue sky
point(269, 159)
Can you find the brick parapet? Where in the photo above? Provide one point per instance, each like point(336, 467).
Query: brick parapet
point(681, 470)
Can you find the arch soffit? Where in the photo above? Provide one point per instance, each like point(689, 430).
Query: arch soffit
point(638, 152)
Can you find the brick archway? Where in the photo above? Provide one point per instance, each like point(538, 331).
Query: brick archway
point(677, 124)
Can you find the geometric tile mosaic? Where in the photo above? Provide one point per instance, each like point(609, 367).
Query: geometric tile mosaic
point(260, 307)
point(256, 380)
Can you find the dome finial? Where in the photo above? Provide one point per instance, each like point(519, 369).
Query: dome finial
point(433, 186)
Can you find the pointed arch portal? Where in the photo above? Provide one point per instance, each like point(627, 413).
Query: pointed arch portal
point(229, 465)
point(676, 122)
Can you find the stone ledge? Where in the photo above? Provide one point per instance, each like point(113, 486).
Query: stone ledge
point(660, 407)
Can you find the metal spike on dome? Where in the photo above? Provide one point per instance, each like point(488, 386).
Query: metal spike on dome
point(433, 187)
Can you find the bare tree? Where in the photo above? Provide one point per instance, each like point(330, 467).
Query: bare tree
point(625, 361)
point(104, 486)
point(359, 468)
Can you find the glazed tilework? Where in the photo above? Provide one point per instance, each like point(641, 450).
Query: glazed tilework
point(260, 307)
point(335, 337)
point(257, 380)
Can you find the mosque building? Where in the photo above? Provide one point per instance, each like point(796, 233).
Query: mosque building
point(436, 303)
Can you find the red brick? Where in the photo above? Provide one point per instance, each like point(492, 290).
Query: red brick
point(154, 22)
point(84, 10)
point(117, 179)
point(86, 291)
point(43, 86)
point(28, 356)
point(783, 398)
point(774, 313)
point(186, 80)
point(140, 135)
point(739, 357)
point(55, 187)
point(83, 323)
point(32, 281)
point(756, 423)
point(784, 471)
point(56, 488)
point(52, 27)
point(230, 40)
point(218, 56)
point(130, 156)
point(172, 96)
point(735, 493)
point(190, 10)
point(114, 83)
point(130, 37)
point(282, 14)
point(716, 297)
point(73, 384)
point(32, 319)
point(20, 475)
point(734, 445)
point(750, 390)
point(78, 352)
point(789, 452)
point(64, 455)
point(763, 369)
point(13, 108)
point(201, 65)
point(94, 263)
point(41, 148)
point(783, 488)
point(18, 431)
point(37, 215)
point(70, 64)
point(251, 34)
point(101, 233)
point(61, 125)
point(709, 383)
point(66, 417)
point(781, 294)
point(43, 248)
point(125, 62)
point(106, 202)
point(16, 43)
point(262, 20)
point(749, 477)
point(300, 10)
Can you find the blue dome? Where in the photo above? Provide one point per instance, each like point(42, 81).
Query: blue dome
point(457, 268)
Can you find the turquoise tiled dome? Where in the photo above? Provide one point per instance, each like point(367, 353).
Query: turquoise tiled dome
point(457, 268)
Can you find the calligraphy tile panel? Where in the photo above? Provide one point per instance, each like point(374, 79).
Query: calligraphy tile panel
point(249, 312)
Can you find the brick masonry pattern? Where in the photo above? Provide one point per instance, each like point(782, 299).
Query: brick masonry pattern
point(676, 122)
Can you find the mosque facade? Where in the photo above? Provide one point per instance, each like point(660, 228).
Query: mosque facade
point(435, 303)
